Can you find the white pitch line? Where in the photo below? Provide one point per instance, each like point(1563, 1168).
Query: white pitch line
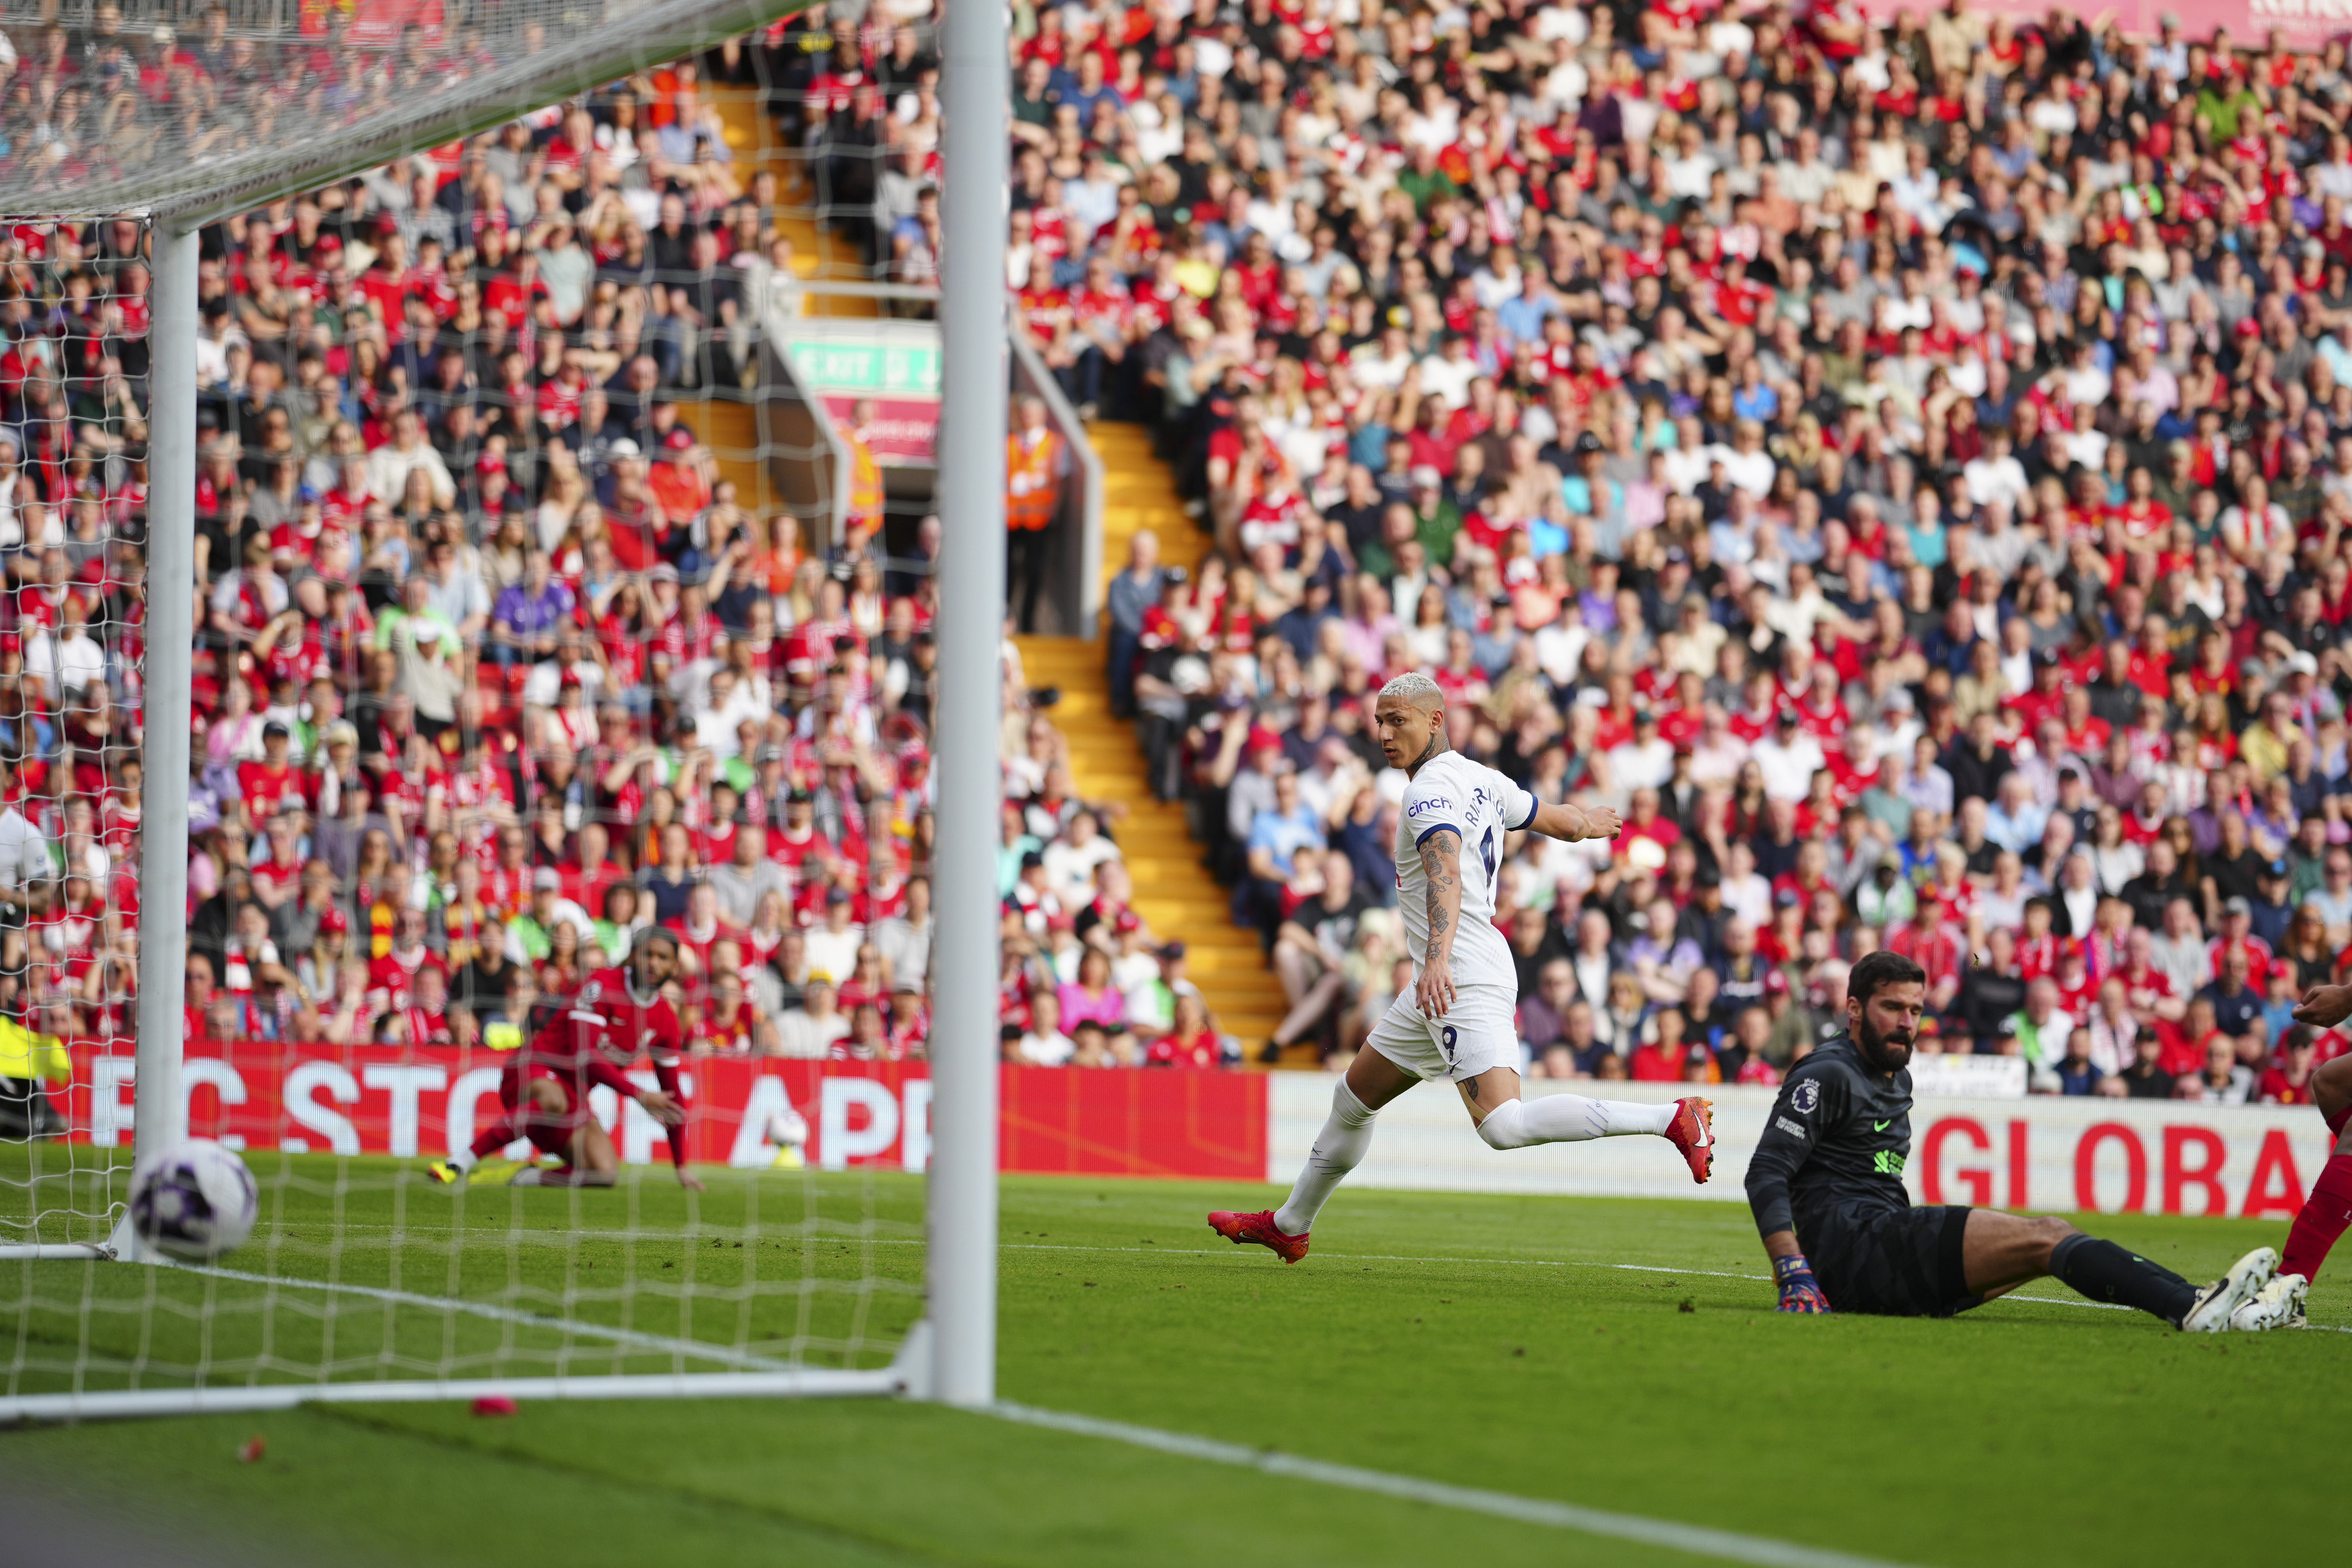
point(1212, 1252)
point(1727, 1544)
point(425, 1233)
point(495, 1313)
point(1549, 1263)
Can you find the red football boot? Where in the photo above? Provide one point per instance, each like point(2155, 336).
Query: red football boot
point(1260, 1227)
point(1693, 1132)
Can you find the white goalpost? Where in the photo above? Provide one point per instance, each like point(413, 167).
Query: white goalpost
point(169, 693)
point(962, 1193)
point(363, 1281)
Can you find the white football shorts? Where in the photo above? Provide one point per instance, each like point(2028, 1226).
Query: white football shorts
point(1479, 1032)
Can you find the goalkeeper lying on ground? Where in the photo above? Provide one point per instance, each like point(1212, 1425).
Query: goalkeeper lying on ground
point(1826, 1186)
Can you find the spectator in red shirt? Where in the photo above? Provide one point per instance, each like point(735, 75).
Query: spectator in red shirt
point(2287, 1081)
point(1934, 944)
point(1188, 1042)
point(274, 784)
point(1664, 1059)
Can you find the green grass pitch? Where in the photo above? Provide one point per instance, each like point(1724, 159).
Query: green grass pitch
point(1475, 1340)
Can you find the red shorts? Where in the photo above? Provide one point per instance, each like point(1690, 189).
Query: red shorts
point(549, 1132)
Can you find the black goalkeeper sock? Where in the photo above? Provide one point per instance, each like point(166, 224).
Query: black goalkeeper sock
point(2105, 1272)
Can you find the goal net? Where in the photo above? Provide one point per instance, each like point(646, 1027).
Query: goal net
point(507, 648)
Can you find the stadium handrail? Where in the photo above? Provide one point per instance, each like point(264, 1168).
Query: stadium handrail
point(781, 398)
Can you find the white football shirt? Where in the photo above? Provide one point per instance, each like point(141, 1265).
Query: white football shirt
point(1482, 805)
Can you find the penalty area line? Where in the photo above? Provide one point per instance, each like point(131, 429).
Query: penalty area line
point(1730, 1545)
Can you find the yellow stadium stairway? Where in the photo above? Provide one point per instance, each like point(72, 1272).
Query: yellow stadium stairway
point(1174, 893)
point(817, 253)
point(731, 428)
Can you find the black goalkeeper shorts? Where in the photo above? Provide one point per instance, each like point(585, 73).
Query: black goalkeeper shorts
point(1893, 1263)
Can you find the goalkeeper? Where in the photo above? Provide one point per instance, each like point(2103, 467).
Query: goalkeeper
point(1826, 1186)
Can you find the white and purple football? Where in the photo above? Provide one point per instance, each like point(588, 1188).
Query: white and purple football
point(193, 1201)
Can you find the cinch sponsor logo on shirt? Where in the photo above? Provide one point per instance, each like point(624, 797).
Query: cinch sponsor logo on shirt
point(1434, 803)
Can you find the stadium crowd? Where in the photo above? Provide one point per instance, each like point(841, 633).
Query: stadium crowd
point(493, 666)
point(1903, 467)
point(1900, 465)
point(91, 97)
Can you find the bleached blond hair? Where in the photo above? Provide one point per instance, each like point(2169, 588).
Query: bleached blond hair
point(1416, 688)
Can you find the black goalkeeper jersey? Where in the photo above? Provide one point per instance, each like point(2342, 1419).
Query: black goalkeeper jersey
point(1835, 1143)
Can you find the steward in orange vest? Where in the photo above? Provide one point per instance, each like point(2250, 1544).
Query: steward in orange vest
point(1033, 484)
point(865, 518)
point(1034, 463)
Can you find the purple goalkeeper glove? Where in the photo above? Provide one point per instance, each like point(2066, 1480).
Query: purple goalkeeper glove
point(1800, 1291)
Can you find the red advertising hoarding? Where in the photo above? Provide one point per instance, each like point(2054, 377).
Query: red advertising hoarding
point(2050, 1154)
point(2042, 1152)
point(409, 1102)
point(2195, 1164)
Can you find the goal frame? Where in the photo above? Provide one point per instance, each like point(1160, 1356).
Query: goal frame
point(948, 1353)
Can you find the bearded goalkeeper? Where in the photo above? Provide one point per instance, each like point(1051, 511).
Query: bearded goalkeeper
point(1826, 1187)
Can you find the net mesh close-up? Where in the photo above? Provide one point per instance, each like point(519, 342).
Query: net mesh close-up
point(194, 110)
point(570, 376)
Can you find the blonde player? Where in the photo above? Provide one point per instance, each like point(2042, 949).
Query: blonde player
point(1459, 1021)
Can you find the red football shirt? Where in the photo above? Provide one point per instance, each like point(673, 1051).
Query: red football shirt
point(608, 1014)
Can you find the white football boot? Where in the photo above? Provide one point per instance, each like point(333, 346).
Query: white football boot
point(2278, 1305)
point(2211, 1310)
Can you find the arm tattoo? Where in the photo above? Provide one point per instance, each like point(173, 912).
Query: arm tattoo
point(1438, 864)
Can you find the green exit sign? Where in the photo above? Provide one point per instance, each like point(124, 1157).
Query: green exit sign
point(882, 369)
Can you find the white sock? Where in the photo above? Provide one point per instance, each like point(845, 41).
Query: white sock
point(1569, 1119)
point(463, 1159)
point(1338, 1149)
point(528, 1176)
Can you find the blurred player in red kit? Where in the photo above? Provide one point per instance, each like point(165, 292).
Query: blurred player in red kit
point(2328, 1211)
point(585, 1040)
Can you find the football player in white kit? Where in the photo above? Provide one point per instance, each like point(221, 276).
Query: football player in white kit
point(1459, 1022)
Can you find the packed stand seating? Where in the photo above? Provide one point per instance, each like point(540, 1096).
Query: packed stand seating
point(94, 97)
point(1903, 468)
point(493, 668)
point(856, 90)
